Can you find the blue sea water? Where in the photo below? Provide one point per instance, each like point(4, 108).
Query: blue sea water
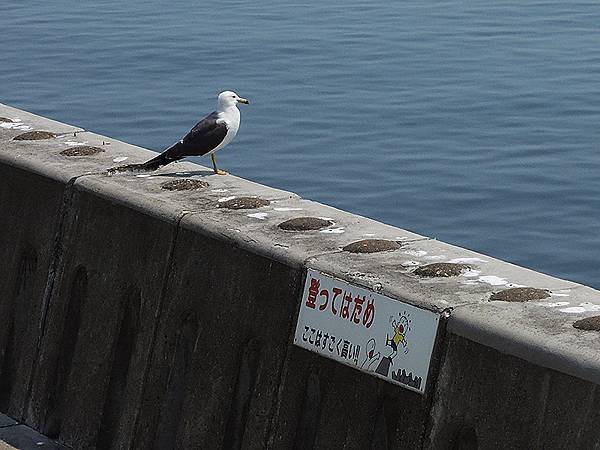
point(477, 123)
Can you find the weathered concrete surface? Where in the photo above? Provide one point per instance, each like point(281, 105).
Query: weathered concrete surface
point(28, 198)
point(215, 356)
point(26, 250)
point(16, 121)
point(100, 324)
point(343, 408)
point(142, 317)
point(505, 402)
point(34, 200)
point(239, 295)
point(539, 331)
point(392, 273)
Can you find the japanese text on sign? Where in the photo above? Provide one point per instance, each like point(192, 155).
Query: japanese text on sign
point(346, 303)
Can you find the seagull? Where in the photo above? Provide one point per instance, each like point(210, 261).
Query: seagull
point(212, 133)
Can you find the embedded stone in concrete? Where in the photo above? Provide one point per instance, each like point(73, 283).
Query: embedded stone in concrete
point(124, 168)
point(6, 119)
point(371, 246)
point(81, 150)
point(441, 270)
point(34, 136)
point(588, 324)
point(244, 203)
point(185, 184)
point(305, 224)
point(520, 294)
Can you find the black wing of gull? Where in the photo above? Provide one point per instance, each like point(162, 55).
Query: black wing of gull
point(200, 140)
point(204, 137)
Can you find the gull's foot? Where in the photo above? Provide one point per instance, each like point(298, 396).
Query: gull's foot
point(221, 172)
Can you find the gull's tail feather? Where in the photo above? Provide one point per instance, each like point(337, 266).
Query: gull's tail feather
point(168, 156)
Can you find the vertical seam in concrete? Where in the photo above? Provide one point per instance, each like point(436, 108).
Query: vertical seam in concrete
point(434, 375)
point(291, 329)
point(56, 255)
point(161, 302)
point(53, 267)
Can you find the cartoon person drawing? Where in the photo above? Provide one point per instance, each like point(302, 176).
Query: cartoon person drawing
point(370, 357)
point(400, 330)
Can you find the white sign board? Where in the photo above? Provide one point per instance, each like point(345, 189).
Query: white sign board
point(366, 330)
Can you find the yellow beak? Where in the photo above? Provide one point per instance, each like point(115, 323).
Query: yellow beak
point(243, 100)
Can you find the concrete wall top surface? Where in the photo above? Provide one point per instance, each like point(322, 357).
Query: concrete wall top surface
point(480, 299)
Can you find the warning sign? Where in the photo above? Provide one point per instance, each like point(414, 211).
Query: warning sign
point(366, 330)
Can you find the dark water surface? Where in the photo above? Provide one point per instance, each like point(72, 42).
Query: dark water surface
point(477, 123)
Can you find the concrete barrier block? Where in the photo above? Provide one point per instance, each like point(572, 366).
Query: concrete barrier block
point(222, 340)
point(482, 393)
point(521, 366)
point(30, 214)
point(34, 204)
point(100, 323)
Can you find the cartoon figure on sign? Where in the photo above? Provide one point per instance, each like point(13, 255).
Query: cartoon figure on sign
point(371, 357)
point(400, 327)
point(400, 330)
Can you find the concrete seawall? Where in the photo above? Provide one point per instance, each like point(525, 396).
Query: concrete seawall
point(136, 312)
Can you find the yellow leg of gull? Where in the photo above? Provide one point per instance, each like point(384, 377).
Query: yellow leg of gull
point(214, 161)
